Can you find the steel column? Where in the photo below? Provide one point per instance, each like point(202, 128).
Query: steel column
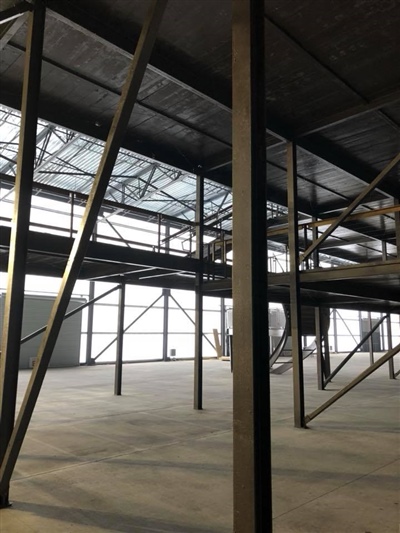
point(370, 370)
point(320, 354)
point(370, 340)
point(397, 226)
point(120, 341)
point(392, 373)
point(198, 328)
point(318, 328)
point(251, 396)
point(388, 321)
point(335, 332)
point(99, 187)
point(13, 309)
point(295, 298)
point(166, 293)
point(89, 334)
point(223, 327)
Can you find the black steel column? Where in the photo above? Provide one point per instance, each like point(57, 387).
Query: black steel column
point(388, 322)
point(320, 354)
point(392, 373)
point(295, 305)
point(198, 329)
point(223, 327)
point(99, 187)
point(89, 335)
point(397, 226)
point(120, 341)
point(318, 323)
point(370, 340)
point(166, 293)
point(251, 396)
point(335, 333)
point(13, 309)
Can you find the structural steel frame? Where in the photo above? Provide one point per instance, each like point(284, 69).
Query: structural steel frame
point(111, 149)
point(12, 325)
point(251, 398)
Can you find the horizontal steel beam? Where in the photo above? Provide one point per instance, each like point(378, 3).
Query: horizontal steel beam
point(354, 204)
point(345, 115)
point(361, 270)
point(327, 221)
point(56, 245)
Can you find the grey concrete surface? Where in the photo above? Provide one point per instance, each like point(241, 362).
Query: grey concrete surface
point(146, 462)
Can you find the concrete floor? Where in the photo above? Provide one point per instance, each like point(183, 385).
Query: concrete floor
point(146, 462)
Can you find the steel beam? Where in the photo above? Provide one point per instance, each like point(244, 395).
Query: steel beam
point(13, 309)
point(9, 29)
point(370, 370)
point(198, 328)
point(325, 69)
point(251, 396)
point(360, 270)
point(327, 221)
point(294, 282)
point(99, 187)
point(345, 115)
point(15, 11)
point(355, 203)
point(120, 341)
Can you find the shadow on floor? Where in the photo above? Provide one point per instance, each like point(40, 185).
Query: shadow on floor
point(108, 521)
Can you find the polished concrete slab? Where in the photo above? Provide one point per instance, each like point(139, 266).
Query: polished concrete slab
point(146, 462)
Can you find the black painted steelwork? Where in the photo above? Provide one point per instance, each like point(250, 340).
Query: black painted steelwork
point(354, 350)
point(198, 333)
point(294, 279)
point(354, 204)
point(13, 309)
point(166, 294)
point(120, 341)
point(99, 187)
point(370, 370)
point(251, 394)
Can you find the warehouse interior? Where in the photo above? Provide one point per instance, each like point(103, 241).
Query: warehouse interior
point(209, 190)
